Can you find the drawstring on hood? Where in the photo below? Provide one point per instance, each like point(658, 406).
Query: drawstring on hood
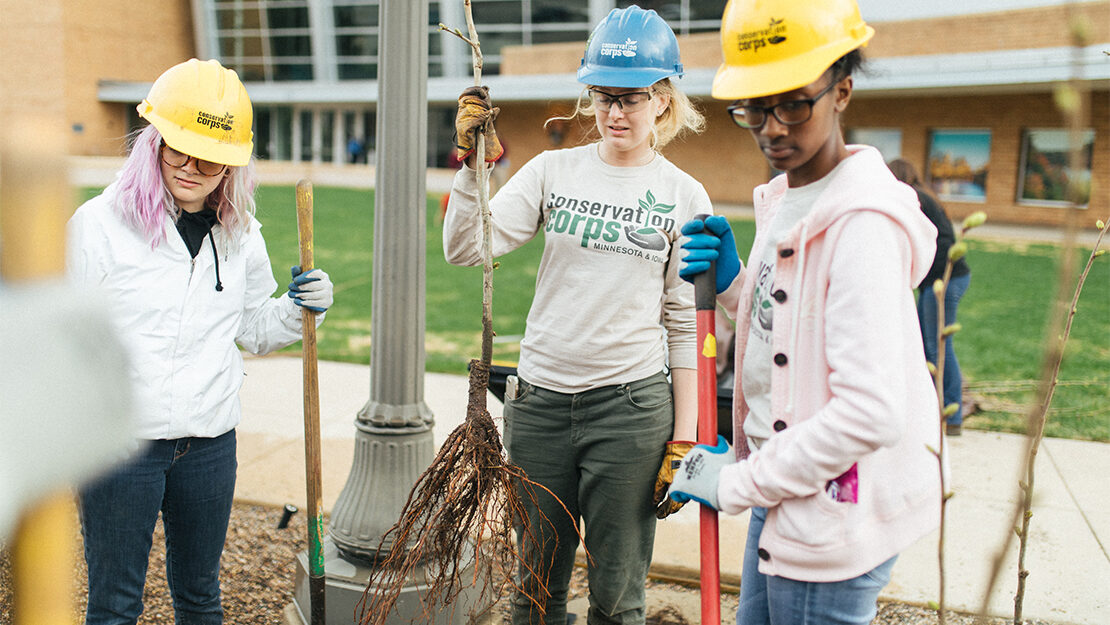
point(216, 258)
point(193, 227)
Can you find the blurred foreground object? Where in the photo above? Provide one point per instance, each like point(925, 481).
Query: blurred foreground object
point(67, 400)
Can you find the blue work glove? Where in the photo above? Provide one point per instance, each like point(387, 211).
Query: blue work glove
point(699, 473)
point(709, 241)
point(311, 289)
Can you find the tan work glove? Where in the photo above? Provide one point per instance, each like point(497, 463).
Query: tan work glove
point(672, 458)
point(476, 110)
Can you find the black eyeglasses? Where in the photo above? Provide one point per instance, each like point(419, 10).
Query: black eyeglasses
point(627, 102)
point(789, 113)
point(173, 158)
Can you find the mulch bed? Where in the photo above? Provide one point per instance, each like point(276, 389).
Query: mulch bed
point(259, 569)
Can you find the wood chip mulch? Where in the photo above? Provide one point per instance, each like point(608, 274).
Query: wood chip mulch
point(259, 569)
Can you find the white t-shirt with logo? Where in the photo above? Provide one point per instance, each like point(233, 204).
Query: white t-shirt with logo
point(609, 305)
point(755, 379)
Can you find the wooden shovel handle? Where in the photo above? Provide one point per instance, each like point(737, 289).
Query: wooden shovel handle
point(311, 417)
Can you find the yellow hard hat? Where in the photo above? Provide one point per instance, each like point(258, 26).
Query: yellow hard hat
point(202, 109)
point(774, 46)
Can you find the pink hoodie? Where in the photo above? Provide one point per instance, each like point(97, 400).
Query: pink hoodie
point(850, 386)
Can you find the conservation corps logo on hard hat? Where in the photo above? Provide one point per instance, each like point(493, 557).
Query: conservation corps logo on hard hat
point(628, 48)
point(222, 122)
point(753, 40)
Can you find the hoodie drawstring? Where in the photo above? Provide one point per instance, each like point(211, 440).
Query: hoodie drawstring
point(216, 258)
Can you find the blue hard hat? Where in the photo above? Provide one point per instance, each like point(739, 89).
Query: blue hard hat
point(630, 48)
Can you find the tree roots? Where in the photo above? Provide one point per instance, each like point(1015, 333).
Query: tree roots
point(456, 529)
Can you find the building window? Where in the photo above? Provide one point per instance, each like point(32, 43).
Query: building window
point(265, 40)
point(561, 11)
point(514, 22)
point(887, 140)
point(959, 161)
point(356, 39)
point(491, 12)
point(1045, 171)
point(684, 16)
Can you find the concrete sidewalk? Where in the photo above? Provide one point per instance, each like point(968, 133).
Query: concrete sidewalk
point(1068, 559)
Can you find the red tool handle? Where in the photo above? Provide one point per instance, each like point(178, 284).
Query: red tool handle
point(705, 299)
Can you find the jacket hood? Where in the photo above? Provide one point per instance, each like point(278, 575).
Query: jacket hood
point(886, 195)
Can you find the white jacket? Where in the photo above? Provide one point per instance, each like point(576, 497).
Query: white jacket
point(180, 332)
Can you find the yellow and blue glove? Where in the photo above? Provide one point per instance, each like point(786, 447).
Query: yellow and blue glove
point(672, 458)
point(699, 473)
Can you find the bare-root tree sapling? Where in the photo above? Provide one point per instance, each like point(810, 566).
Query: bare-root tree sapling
point(456, 528)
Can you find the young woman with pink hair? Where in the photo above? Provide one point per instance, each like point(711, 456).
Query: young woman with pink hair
point(174, 246)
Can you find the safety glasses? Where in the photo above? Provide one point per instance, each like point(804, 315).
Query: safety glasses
point(627, 102)
point(789, 113)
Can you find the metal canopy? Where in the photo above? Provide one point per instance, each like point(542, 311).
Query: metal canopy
point(1031, 70)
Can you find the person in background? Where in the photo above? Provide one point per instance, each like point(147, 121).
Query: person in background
point(174, 245)
point(594, 418)
point(835, 414)
point(952, 383)
point(354, 150)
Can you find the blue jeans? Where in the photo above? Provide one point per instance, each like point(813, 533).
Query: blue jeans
point(598, 451)
point(191, 481)
point(773, 600)
point(927, 316)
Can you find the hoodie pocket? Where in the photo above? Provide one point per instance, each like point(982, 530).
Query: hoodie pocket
point(815, 521)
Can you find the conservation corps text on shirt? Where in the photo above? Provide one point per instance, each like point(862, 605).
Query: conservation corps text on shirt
point(608, 281)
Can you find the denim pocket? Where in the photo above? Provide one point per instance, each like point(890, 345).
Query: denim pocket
point(523, 390)
point(649, 394)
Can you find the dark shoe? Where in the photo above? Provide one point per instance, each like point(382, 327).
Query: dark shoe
point(953, 429)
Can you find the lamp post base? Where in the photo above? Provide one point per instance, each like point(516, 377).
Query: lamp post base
point(345, 584)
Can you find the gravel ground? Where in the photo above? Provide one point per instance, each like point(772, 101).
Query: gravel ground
point(258, 573)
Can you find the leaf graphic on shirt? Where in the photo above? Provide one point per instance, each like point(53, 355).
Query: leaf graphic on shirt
point(651, 207)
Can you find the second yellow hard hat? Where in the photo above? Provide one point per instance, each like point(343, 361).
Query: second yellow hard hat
point(774, 46)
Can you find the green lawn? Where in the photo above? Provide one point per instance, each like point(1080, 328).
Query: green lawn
point(344, 238)
point(1003, 313)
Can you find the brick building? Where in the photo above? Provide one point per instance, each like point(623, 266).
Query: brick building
point(965, 90)
point(987, 78)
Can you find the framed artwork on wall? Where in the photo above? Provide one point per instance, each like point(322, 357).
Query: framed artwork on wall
point(887, 140)
point(959, 161)
point(1045, 174)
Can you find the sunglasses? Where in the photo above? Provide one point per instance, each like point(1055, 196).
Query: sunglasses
point(173, 158)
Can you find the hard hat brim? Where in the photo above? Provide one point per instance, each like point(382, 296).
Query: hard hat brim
point(625, 77)
point(742, 82)
point(188, 142)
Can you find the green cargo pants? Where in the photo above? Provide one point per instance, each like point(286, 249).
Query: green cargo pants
point(598, 451)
